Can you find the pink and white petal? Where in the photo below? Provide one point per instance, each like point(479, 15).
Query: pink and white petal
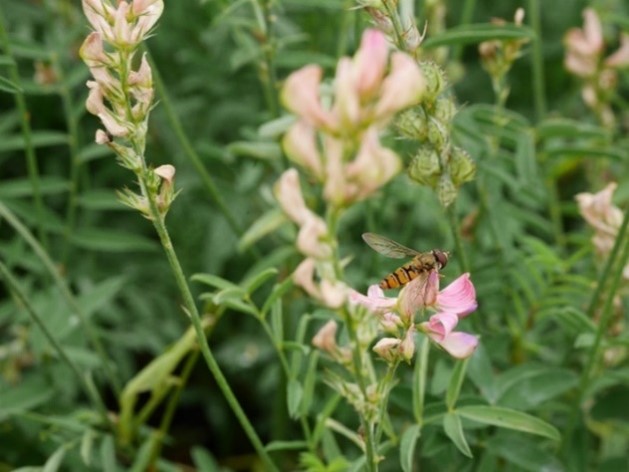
point(402, 88)
point(300, 145)
point(375, 300)
point(288, 193)
point(301, 95)
point(304, 277)
point(620, 58)
point(439, 326)
point(347, 103)
point(459, 345)
point(310, 238)
point(370, 62)
point(459, 297)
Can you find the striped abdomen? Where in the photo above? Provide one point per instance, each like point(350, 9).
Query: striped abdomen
point(403, 275)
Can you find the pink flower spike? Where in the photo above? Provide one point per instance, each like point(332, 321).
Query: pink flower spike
point(459, 297)
point(592, 29)
point(374, 301)
point(459, 345)
point(439, 326)
point(301, 95)
point(370, 62)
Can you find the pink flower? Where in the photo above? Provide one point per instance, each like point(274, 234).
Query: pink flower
point(402, 88)
point(300, 145)
point(325, 339)
point(301, 96)
point(388, 348)
point(599, 211)
point(584, 46)
point(418, 294)
point(370, 62)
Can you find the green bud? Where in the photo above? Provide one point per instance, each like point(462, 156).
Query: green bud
point(437, 133)
point(462, 168)
point(425, 167)
point(412, 124)
point(444, 110)
point(446, 191)
point(435, 80)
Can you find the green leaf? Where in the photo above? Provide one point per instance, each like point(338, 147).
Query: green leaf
point(310, 381)
point(100, 200)
point(143, 456)
point(277, 323)
point(8, 86)
point(87, 445)
point(278, 291)
point(264, 150)
point(266, 224)
point(294, 394)
point(108, 454)
point(419, 379)
point(54, 462)
point(480, 372)
point(24, 397)
point(38, 139)
point(567, 128)
point(213, 281)
point(522, 451)
point(106, 240)
point(510, 419)
point(477, 33)
point(102, 294)
point(18, 188)
point(253, 283)
point(407, 447)
point(286, 445)
point(532, 391)
point(454, 430)
point(456, 381)
point(204, 461)
point(6, 60)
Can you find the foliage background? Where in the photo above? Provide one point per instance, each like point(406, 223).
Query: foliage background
point(532, 275)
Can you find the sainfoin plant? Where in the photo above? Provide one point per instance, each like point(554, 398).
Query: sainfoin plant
point(201, 206)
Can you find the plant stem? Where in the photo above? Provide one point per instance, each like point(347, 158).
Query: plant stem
point(391, 7)
point(266, 68)
point(466, 18)
point(193, 313)
point(13, 285)
point(537, 59)
point(31, 158)
point(65, 292)
point(458, 240)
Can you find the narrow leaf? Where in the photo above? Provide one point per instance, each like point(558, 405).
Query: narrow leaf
point(419, 379)
point(477, 33)
point(456, 381)
point(454, 430)
point(510, 419)
point(8, 86)
point(407, 447)
point(294, 393)
point(54, 462)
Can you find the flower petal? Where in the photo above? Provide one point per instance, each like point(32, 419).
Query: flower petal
point(459, 345)
point(288, 193)
point(459, 297)
point(370, 62)
point(374, 301)
point(439, 326)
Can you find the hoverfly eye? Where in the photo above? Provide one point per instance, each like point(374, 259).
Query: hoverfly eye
point(442, 257)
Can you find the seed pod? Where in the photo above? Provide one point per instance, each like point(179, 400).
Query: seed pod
point(425, 167)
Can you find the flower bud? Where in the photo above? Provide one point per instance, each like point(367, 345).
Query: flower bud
point(461, 166)
point(446, 191)
point(425, 167)
point(407, 347)
point(437, 133)
point(325, 339)
point(412, 124)
point(435, 80)
point(388, 348)
point(444, 110)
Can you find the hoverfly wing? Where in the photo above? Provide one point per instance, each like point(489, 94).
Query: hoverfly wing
point(388, 247)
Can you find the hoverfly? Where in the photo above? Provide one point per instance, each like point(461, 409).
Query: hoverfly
point(422, 263)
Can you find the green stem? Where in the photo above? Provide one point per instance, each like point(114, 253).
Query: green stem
point(13, 285)
point(65, 292)
point(384, 388)
point(193, 313)
point(31, 158)
point(537, 58)
point(554, 209)
point(263, 14)
point(391, 7)
point(190, 152)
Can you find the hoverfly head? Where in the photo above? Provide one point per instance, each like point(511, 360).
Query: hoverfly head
point(441, 257)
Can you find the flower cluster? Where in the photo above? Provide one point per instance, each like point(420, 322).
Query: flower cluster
point(584, 58)
point(339, 144)
point(599, 211)
point(397, 315)
point(120, 95)
point(498, 56)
